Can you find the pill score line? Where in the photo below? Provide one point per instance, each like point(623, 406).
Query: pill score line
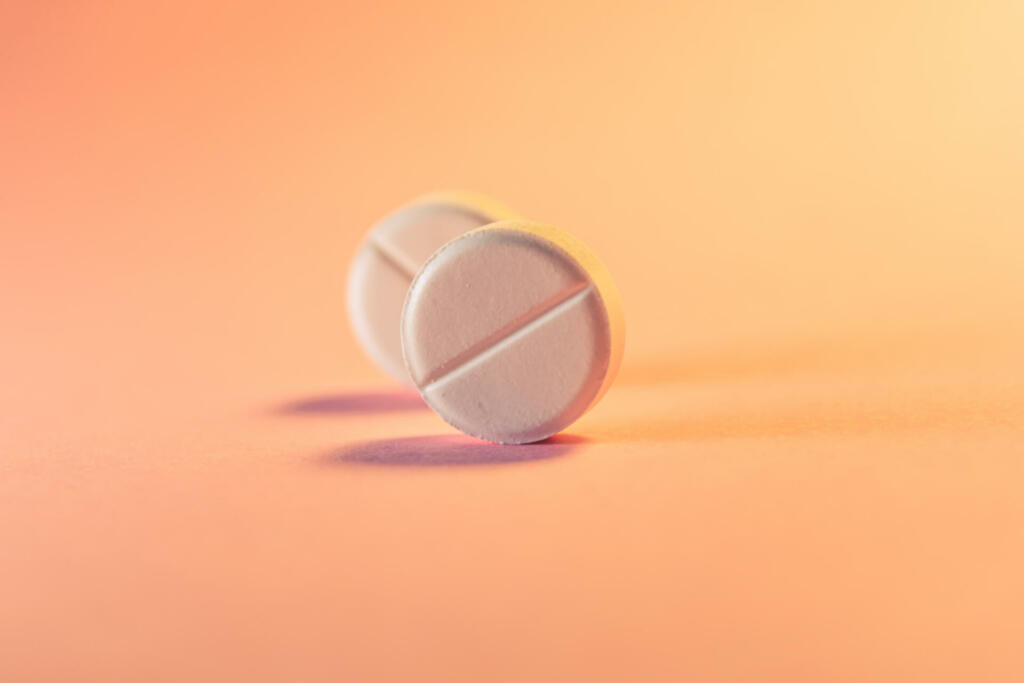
point(395, 258)
point(507, 335)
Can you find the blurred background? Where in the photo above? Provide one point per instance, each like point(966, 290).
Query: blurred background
point(809, 200)
point(191, 179)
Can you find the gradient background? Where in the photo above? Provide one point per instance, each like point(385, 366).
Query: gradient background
point(810, 467)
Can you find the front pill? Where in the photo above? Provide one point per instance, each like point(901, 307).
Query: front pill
point(512, 331)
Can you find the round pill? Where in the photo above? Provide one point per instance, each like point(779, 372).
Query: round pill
point(512, 331)
point(389, 257)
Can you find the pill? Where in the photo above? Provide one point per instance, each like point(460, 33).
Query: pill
point(512, 331)
point(389, 257)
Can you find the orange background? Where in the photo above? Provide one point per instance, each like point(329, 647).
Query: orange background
point(808, 470)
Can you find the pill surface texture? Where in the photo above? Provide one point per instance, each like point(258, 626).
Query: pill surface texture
point(392, 253)
point(512, 331)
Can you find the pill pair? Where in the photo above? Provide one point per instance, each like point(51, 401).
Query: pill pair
point(509, 329)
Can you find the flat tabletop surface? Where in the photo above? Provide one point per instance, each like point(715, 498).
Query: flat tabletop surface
point(810, 466)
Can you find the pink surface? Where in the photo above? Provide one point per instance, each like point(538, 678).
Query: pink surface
point(808, 470)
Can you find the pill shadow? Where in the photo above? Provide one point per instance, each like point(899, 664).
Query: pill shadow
point(446, 450)
point(388, 401)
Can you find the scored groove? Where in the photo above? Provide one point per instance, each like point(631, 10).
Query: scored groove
point(394, 258)
point(507, 334)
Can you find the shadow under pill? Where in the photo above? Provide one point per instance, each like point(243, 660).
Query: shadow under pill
point(388, 401)
point(446, 450)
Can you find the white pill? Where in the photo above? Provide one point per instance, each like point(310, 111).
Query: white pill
point(512, 331)
point(389, 257)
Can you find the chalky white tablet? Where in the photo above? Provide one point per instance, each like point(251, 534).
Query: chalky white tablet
point(388, 260)
point(512, 331)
